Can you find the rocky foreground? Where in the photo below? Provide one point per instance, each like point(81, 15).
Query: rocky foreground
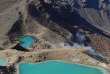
point(41, 55)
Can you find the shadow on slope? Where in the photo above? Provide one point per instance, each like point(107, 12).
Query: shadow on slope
point(17, 29)
point(92, 4)
point(20, 48)
point(63, 16)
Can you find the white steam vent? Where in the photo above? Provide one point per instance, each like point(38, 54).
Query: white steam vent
point(78, 41)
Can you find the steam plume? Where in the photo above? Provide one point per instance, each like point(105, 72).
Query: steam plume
point(78, 41)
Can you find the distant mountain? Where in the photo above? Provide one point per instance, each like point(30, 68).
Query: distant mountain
point(95, 12)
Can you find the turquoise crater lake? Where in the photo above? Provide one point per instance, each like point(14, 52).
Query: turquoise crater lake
point(2, 62)
point(57, 67)
point(27, 41)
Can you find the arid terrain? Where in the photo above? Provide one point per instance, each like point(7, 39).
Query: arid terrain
point(64, 30)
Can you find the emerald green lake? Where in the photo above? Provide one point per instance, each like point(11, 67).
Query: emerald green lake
point(2, 62)
point(57, 67)
point(27, 41)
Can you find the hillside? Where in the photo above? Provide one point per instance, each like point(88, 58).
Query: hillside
point(57, 24)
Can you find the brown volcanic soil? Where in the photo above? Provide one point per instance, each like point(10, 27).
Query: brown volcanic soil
point(63, 18)
point(100, 44)
point(4, 4)
point(53, 21)
point(48, 21)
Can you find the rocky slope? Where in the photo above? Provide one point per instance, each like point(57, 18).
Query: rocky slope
point(54, 20)
point(91, 17)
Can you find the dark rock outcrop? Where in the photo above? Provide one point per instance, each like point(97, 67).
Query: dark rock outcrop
point(17, 29)
point(7, 70)
point(20, 48)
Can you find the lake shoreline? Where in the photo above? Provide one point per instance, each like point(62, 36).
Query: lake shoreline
point(103, 70)
point(41, 55)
